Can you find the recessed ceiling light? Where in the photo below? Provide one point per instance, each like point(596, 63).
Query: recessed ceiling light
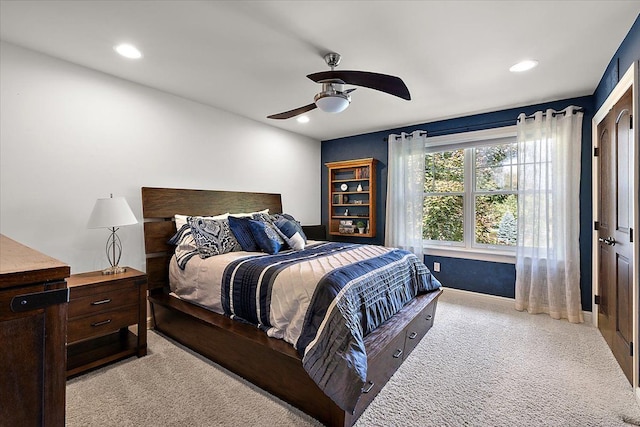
point(303, 119)
point(525, 65)
point(128, 51)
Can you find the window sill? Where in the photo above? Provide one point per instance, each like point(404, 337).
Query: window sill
point(492, 255)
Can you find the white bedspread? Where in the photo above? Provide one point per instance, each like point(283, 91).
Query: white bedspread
point(200, 282)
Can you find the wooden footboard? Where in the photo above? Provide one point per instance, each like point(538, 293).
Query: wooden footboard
point(276, 367)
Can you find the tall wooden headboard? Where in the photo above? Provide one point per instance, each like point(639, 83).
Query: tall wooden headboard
point(159, 205)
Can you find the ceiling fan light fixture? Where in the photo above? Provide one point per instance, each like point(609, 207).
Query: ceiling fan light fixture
point(335, 98)
point(332, 102)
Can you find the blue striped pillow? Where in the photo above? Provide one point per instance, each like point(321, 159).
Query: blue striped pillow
point(185, 245)
point(290, 233)
point(241, 229)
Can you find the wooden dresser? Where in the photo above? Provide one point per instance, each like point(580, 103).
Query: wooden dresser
point(33, 312)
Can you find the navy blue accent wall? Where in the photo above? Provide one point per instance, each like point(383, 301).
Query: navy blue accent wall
point(358, 147)
point(473, 275)
point(375, 145)
point(627, 53)
point(481, 276)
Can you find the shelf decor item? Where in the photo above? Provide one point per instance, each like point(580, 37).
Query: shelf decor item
point(346, 227)
point(112, 213)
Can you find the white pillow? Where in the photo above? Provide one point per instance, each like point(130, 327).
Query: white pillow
point(241, 215)
point(182, 219)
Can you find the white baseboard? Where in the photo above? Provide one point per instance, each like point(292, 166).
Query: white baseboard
point(496, 300)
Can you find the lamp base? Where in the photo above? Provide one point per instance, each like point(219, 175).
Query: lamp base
point(114, 270)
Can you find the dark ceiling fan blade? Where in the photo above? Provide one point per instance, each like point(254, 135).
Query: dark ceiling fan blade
point(382, 82)
point(292, 113)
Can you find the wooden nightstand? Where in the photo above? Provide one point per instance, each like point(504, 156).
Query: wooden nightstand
point(101, 309)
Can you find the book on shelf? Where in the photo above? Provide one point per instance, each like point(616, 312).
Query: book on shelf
point(361, 172)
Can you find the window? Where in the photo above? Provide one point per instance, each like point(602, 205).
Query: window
point(470, 194)
point(444, 190)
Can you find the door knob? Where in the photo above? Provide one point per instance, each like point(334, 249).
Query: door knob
point(607, 241)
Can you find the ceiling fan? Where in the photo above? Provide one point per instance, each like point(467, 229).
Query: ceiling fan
point(334, 98)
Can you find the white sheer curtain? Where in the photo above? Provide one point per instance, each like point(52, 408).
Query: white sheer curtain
point(548, 252)
point(405, 190)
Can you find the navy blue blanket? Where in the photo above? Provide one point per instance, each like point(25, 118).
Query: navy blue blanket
point(347, 303)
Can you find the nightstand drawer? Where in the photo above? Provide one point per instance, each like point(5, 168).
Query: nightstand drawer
point(105, 301)
point(101, 309)
point(101, 323)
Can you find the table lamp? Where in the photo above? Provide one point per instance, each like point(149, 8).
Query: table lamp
point(112, 213)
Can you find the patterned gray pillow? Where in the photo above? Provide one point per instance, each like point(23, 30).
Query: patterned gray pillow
point(213, 236)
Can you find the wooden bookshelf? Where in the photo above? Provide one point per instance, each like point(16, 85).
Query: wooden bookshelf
point(352, 197)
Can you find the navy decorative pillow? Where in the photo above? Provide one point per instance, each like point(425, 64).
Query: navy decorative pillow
point(290, 233)
point(242, 232)
point(213, 236)
point(266, 237)
point(268, 221)
point(262, 217)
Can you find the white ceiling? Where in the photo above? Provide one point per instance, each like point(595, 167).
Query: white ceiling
point(252, 57)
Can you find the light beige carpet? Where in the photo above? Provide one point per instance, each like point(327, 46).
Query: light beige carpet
point(480, 365)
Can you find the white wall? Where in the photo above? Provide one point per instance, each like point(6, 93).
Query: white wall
point(70, 135)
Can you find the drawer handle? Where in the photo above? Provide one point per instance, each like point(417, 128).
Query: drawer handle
point(368, 387)
point(413, 335)
point(428, 317)
point(397, 353)
point(104, 322)
point(103, 301)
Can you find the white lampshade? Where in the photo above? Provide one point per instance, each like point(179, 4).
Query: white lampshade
point(111, 212)
point(334, 103)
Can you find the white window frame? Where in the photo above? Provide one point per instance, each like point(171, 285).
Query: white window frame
point(468, 248)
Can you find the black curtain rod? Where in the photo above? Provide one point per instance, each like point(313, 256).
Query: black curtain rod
point(420, 133)
point(488, 125)
point(469, 128)
point(561, 113)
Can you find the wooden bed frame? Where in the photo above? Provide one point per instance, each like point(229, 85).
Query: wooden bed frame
point(274, 366)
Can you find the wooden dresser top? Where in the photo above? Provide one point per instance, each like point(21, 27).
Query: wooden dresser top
point(19, 264)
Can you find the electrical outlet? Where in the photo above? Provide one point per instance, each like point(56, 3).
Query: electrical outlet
point(436, 267)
